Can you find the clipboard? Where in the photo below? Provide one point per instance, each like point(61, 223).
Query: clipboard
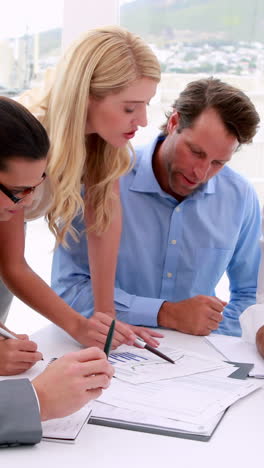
point(152, 428)
point(126, 422)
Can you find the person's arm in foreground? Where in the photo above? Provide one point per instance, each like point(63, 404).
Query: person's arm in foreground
point(17, 355)
point(31, 289)
point(63, 388)
point(103, 251)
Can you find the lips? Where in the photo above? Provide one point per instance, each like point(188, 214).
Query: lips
point(189, 181)
point(130, 134)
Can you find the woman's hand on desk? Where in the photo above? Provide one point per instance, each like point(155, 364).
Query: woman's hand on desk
point(93, 331)
point(17, 356)
point(72, 381)
point(147, 334)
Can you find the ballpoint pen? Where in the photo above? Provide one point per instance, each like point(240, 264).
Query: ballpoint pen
point(6, 334)
point(142, 344)
point(107, 347)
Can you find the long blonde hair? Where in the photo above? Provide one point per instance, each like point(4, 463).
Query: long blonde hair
point(103, 61)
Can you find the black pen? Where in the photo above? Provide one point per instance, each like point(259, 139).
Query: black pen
point(107, 347)
point(144, 345)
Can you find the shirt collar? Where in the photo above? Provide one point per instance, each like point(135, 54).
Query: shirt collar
point(145, 180)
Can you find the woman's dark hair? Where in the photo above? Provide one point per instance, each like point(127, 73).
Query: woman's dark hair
point(21, 134)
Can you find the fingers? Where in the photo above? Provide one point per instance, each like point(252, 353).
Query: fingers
point(97, 382)
point(92, 362)
point(93, 394)
point(145, 334)
point(101, 366)
point(23, 337)
point(100, 324)
point(14, 368)
point(124, 334)
point(29, 357)
point(23, 345)
point(215, 317)
point(87, 354)
point(217, 305)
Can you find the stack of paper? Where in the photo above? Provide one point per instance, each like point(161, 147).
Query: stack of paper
point(192, 399)
point(235, 349)
point(140, 366)
point(185, 399)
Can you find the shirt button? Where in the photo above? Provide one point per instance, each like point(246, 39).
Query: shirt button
point(173, 241)
point(177, 209)
point(169, 275)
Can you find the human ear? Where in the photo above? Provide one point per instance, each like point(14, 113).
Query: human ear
point(173, 122)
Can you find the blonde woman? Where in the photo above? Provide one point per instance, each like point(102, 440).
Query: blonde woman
point(95, 103)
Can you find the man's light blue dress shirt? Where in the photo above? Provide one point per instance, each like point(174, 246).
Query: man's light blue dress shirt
point(172, 251)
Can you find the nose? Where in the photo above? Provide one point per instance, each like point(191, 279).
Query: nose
point(142, 119)
point(201, 169)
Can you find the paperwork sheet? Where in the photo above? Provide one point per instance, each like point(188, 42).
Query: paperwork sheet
point(66, 429)
point(192, 399)
point(138, 366)
point(236, 349)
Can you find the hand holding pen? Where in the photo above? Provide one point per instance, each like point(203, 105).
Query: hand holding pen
point(141, 344)
point(17, 353)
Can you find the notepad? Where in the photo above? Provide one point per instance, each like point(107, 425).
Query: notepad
point(66, 429)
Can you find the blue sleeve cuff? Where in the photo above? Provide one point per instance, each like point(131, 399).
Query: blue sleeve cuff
point(137, 310)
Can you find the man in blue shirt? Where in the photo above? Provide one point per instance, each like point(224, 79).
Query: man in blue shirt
point(186, 220)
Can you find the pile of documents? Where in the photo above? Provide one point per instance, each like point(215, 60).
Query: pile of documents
point(185, 398)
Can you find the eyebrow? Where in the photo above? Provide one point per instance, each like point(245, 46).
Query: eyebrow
point(133, 102)
point(22, 187)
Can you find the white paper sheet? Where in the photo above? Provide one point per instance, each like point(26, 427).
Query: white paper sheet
point(140, 366)
point(235, 349)
point(192, 399)
point(66, 429)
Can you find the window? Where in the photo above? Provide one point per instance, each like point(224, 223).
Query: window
point(30, 42)
point(197, 38)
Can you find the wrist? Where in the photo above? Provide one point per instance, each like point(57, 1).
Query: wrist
point(162, 317)
point(76, 326)
point(110, 312)
point(40, 396)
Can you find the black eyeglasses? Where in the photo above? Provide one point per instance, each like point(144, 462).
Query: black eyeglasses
point(27, 191)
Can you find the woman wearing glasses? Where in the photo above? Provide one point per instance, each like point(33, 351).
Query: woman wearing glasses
point(91, 110)
point(74, 379)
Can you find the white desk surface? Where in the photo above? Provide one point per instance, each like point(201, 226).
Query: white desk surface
point(237, 442)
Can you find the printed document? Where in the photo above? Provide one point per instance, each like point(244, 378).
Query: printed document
point(138, 366)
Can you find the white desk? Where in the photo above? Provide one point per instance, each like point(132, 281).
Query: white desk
point(237, 442)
